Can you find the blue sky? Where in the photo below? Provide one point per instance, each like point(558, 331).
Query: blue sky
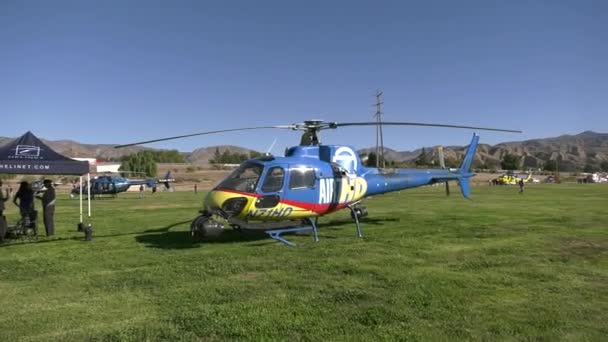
point(124, 71)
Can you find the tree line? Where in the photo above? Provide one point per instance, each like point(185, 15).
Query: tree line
point(508, 162)
point(228, 157)
point(144, 162)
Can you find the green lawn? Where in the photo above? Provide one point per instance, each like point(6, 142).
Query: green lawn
point(501, 267)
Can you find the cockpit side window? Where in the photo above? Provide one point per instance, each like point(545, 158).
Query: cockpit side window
point(274, 179)
point(244, 179)
point(301, 178)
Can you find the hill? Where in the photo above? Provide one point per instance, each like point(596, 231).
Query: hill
point(573, 151)
point(75, 149)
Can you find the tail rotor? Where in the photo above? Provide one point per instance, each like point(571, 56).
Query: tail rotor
point(167, 180)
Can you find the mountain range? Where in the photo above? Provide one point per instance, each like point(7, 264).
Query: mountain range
point(573, 151)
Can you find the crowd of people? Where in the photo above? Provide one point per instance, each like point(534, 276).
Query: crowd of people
point(24, 200)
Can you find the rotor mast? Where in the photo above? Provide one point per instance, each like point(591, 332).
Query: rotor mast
point(311, 128)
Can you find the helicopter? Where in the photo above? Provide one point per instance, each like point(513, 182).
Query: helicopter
point(310, 181)
point(511, 178)
point(112, 184)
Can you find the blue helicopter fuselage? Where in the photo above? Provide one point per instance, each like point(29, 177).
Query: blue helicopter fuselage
point(316, 180)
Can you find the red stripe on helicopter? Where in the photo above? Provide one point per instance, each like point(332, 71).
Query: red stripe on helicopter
point(316, 207)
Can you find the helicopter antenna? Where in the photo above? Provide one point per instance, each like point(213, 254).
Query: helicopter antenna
point(378, 116)
point(271, 146)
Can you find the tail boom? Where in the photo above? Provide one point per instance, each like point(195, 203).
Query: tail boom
point(379, 183)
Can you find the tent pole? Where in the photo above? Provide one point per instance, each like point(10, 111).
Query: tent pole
point(80, 199)
point(89, 194)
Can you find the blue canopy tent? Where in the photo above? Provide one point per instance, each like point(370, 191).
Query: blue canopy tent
point(29, 155)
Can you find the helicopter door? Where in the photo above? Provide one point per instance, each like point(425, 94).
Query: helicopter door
point(302, 185)
point(272, 188)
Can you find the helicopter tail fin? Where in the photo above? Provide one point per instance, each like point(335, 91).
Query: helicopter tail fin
point(464, 171)
point(465, 166)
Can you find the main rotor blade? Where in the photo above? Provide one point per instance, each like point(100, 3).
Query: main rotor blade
point(342, 124)
point(203, 133)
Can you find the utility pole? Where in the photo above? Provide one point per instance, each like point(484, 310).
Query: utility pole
point(557, 165)
point(379, 139)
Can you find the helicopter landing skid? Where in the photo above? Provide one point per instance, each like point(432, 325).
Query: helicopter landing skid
point(276, 234)
point(356, 212)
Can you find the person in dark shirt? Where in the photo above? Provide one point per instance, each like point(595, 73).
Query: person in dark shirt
point(48, 207)
point(25, 197)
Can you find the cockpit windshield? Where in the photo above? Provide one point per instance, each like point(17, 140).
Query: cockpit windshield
point(245, 178)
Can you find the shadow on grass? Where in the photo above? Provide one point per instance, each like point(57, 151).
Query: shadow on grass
point(183, 239)
point(337, 224)
point(43, 239)
point(152, 230)
point(165, 239)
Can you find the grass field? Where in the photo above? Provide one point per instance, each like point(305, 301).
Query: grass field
point(501, 267)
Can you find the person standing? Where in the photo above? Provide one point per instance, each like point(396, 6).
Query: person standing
point(521, 185)
point(141, 191)
point(3, 199)
point(195, 188)
point(48, 207)
point(25, 196)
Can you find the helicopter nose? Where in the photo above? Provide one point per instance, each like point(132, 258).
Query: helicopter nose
point(234, 206)
point(211, 201)
point(229, 203)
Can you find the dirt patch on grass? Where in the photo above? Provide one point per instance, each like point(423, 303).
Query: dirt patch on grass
point(156, 206)
point(583, 248)
point(247, 276)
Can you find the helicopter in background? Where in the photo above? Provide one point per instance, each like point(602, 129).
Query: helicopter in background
point(112, 185)
point(310, 181)
point(511, 178)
